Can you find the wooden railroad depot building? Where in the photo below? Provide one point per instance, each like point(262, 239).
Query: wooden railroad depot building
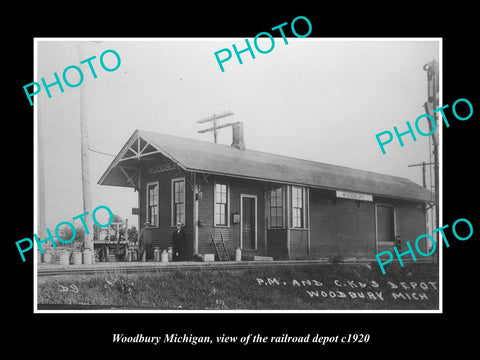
point(265, 204)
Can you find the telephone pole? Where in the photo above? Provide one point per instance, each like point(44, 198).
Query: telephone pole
point(423, 165)
point(86, 188)
point(432, 103)
point(215, 126)
point(41, 225)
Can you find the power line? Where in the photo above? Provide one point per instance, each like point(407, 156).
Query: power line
point(215, 126)
point(100, 152)
point(423, 165)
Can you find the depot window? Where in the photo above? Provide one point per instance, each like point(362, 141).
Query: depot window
point(221, 205)
point(178, 201)
point(152, 203)
point(276, 208)
point(298, 208)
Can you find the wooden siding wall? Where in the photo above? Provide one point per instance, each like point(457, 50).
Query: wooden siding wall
point(298, 244)
point(277, 246)
point(231, 233)
point(410, 221)
point(340, 227)
point(348, 228)
point(162, 235)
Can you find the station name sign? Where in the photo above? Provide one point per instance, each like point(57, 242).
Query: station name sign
point(354, 196)
point(161, 168)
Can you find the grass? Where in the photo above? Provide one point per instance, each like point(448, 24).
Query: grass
point(331, 287)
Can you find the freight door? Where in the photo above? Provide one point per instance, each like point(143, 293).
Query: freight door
point(249, 224)
point(385, 216)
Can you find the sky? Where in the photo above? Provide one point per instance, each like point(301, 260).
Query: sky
point(316, 99)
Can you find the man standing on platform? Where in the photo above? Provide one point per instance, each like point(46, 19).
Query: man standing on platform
point(145, 242)
point(178, 239)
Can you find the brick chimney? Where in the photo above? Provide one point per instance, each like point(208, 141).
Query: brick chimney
point(237, 134)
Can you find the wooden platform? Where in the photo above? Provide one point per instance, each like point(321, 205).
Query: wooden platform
point(44, 269)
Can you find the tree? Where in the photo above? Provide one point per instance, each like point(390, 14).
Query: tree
point(133, 234)
point(65, 233)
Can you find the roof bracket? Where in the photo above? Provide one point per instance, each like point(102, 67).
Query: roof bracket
point(131, 178)
point(138, 150)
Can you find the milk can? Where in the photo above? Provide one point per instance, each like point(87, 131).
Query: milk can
point(77, 258)
point(87, 257)
point(47, 257)
point(64, 258)
point(156, 254)
point(238, 254)
point(170, 253)
point(164, 256)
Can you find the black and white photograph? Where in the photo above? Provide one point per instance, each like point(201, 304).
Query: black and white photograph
point(253, 188)
point(208, 183)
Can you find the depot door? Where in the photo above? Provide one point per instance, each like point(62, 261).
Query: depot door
point(385, 222)
point(248, 231)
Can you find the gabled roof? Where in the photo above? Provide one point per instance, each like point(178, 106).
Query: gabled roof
point(201, 156)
